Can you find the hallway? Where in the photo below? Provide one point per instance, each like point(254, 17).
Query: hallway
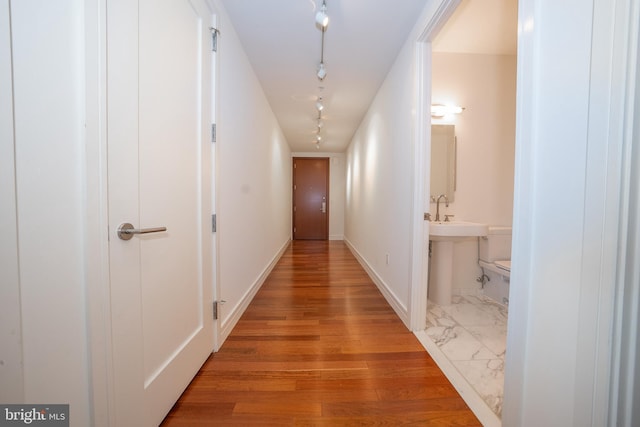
point(319, 345)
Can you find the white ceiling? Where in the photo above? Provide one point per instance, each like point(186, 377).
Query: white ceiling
point(361, 43)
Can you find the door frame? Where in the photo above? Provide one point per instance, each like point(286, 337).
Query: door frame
point(422, 160)
point(97, 225)
point(607, 361)
point(327, 159)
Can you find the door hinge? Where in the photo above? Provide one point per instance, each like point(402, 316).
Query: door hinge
point(214, 39)
point(214, 225)
point(295, 187)
point(213, 132)
point(216, 308)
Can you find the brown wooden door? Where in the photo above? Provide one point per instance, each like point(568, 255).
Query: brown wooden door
point(310, 198)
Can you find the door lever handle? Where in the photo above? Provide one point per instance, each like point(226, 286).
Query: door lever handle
point(126, 231)
point(324, 207)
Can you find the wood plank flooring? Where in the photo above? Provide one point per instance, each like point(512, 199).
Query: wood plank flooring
point(320, 346)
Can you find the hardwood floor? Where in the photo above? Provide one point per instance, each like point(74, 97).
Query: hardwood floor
point(320, 346)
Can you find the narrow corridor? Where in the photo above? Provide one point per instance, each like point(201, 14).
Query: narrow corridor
point(319, 345)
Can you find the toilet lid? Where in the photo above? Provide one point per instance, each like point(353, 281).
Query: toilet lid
point(505, 265)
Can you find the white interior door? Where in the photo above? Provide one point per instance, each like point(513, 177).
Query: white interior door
point(159, 154)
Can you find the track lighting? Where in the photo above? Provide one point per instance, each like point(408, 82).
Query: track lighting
point(322, 72)
point(322, 19)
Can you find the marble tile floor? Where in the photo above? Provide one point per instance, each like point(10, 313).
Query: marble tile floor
point(472, 334)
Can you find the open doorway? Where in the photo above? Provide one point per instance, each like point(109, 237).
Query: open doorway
point(466, 332)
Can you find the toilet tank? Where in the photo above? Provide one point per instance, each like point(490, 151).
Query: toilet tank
point(497, 244)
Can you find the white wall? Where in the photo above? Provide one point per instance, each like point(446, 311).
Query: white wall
point(337, 184)
point(48, 94)
point(485, 85)
point(379, 198)
point(253, 178)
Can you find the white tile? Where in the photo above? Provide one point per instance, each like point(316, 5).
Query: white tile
point(471, 315)
point(492, 337)
point(485, 414)
point(458, 344)
point(487, 378)
point(471, 333)
point(473, 299)
point(496, 311)
point(439, 334)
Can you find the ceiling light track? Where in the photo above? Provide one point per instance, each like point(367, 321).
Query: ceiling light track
point(322, 72)
point(322, 22)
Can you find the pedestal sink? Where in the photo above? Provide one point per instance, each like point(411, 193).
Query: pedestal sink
point(456, 230)
point(443, 236)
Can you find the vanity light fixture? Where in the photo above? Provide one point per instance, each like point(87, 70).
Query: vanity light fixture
point(439, 110)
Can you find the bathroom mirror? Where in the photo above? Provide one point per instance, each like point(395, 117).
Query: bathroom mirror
point(443, 161)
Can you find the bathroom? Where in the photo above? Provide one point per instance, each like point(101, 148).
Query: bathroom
point(470, 334)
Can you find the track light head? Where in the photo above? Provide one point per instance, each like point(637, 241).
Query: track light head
point(322, 72)
point(322, 19)
point(319, 105)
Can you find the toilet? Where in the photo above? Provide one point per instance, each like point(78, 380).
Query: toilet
point(495, 251)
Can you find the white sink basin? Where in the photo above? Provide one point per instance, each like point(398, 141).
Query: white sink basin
point(444, 236)
point(456, 230)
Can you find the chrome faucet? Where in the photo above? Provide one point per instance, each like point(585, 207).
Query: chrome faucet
point(446, 201)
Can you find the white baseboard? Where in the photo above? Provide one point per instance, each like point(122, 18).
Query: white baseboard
point(234, 316)
point(336, 237)
point(388, 294)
